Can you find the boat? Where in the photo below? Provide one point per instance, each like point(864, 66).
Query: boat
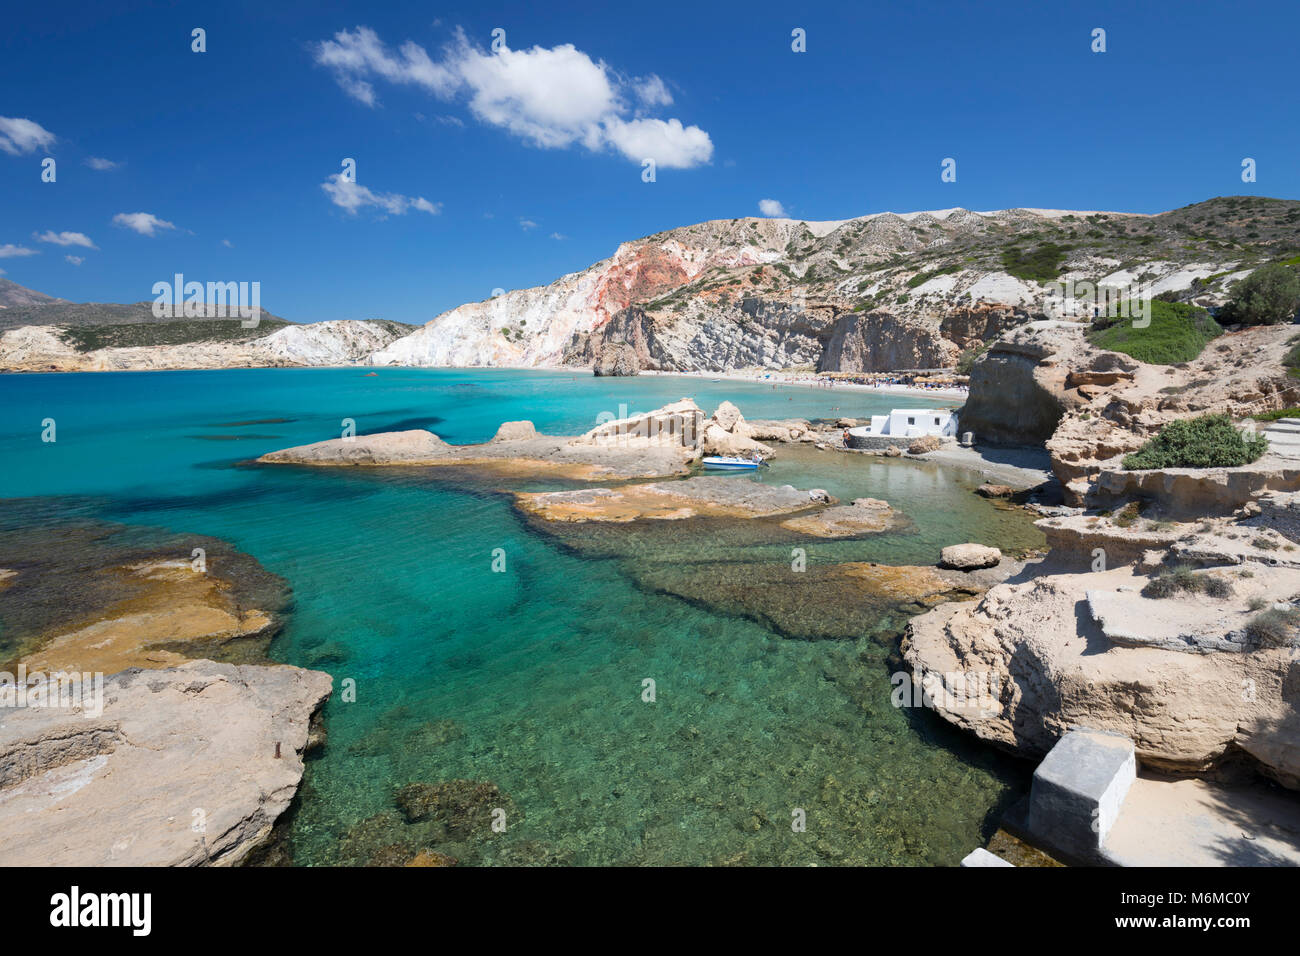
point(730, 462)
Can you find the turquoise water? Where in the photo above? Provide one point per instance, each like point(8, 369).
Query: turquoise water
point(532, 679)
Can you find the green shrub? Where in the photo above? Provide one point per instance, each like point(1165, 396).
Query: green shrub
point(922, 277)
point(1182, 580)
point(1210, 441)
point(1268, 296)
point(1041, 264)
point(1274, 627)
point(1178, 332)
point(1275, 415)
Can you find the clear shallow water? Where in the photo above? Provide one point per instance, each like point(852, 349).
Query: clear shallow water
point(532, 678)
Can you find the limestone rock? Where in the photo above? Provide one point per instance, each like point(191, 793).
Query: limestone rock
point(122, 788)
point(706, 496)
point(515, 431)
point(926, 443)
point(989, 490)
point(970, 557)
point(863, 516)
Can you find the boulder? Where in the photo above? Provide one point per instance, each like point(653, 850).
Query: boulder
point(515, 431)
point(988, 490)
point(926, 443)
point(185, 766)
point(970, 557)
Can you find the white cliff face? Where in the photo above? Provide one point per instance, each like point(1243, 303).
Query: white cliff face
point(343, 342)
point(346, 342)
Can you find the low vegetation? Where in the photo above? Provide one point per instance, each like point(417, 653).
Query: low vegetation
point(87, 338)
point(1275, 627)
point(1040, 264)
point(1177, 333)
point(1183, 580)
point(1210, 441)
point(1268, 296)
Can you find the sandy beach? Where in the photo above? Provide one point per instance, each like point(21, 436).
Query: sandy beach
point(809, 380)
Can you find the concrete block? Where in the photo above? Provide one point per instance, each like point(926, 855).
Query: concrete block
point(982, 857)
point(1078, 790)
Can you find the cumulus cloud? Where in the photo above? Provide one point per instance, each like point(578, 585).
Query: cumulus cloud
point(10, 251)
point(526, 224)
point(75, 260)
point(771, 207)
point(353, 197)
point(95, 162)
point(552, 98)
point(559, 236)
point(64, 238)
point(19, 136)
point(145, 223)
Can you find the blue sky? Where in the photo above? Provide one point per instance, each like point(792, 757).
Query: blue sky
point(479, 170)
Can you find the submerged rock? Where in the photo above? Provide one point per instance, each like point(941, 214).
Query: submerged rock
point(707, 496)
point(863, 516)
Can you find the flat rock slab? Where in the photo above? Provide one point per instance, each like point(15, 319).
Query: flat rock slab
point(720, 497)
point(173, 750)
point(542, 455)
point(863, 516)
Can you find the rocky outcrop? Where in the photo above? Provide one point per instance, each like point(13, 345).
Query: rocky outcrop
point(862, 516)
point(727, 433)
point(1017, 389)
point(714, 497)
point(1082, 640)
point(651, 445)
point(185, 766)
point(879, 341)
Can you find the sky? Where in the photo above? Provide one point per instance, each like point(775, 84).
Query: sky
point(500, 146)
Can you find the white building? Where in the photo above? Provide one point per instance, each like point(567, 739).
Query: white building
point(910, 423)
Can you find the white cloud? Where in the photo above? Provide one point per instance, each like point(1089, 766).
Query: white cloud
point(560, 236)
point(552, 98)
point(145, 223)
point(75, 260)
point(23, 136)
point(652, 91)
point(227, 243)
point(526, 224)
point(353, 197)
point(10, 251)
point(771, 207)
point(669, 144)
point(95, 162)
point(64, 238)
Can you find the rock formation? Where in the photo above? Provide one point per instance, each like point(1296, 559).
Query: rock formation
point(185, 766)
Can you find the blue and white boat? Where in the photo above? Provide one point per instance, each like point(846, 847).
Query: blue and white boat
point(731, 463)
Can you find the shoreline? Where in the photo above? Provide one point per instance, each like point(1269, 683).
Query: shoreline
point(752, 378)
point(812, 381)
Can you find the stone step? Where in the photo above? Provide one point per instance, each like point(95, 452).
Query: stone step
point(1284, 427)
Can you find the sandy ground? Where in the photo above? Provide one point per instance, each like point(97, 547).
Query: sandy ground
point(1176, 822)
point(1018, 467)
